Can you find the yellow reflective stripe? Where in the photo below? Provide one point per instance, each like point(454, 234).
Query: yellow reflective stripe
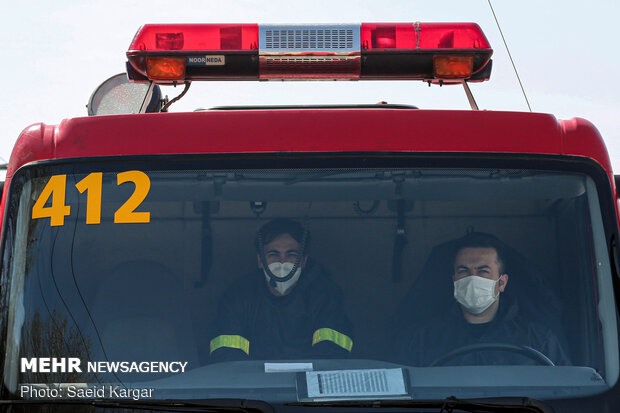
point(230, 341)
point(334, 336)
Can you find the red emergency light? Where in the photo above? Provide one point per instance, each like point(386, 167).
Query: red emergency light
point(434, 52)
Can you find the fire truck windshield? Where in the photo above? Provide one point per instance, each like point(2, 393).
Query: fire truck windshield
point(187, 279)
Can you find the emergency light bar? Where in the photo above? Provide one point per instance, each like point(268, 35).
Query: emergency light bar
point(434, 52)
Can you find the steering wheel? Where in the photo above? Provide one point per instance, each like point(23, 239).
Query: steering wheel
point(526, 351)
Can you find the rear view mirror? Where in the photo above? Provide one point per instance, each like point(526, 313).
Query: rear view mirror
point(118, 95)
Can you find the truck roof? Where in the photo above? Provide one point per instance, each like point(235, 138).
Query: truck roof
point(309, 130)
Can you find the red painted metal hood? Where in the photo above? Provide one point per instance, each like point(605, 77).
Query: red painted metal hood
point(310, 130)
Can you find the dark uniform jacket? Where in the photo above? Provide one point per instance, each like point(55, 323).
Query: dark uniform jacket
point(450, 331)
point(309, 322)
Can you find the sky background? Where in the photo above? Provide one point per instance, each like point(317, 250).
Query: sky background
point(57, 52)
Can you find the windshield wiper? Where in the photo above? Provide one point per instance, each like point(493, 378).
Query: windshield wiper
point(450, 404)
point(180, 405)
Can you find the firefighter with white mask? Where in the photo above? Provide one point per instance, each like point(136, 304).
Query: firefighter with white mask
point(287, 308)
point(479, 279)
point(282, 258)
point(483, 325)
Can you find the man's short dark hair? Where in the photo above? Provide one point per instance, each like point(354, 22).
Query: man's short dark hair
point(482, 240)
point(276, 227)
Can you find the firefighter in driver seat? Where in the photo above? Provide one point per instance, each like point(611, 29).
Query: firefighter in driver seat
point(288, 308)
point(483, 318)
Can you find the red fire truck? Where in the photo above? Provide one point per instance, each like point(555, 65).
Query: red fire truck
point(283, 258)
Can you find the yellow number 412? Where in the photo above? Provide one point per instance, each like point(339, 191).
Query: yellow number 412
point(92, 185)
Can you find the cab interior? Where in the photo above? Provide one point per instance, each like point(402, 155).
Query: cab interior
point(152, 290)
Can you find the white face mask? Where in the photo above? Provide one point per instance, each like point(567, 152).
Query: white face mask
point(281, 270)
point(475, 293)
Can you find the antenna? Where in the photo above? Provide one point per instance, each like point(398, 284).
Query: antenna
point(510, 56)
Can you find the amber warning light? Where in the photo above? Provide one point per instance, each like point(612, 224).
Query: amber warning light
point(435, 52)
